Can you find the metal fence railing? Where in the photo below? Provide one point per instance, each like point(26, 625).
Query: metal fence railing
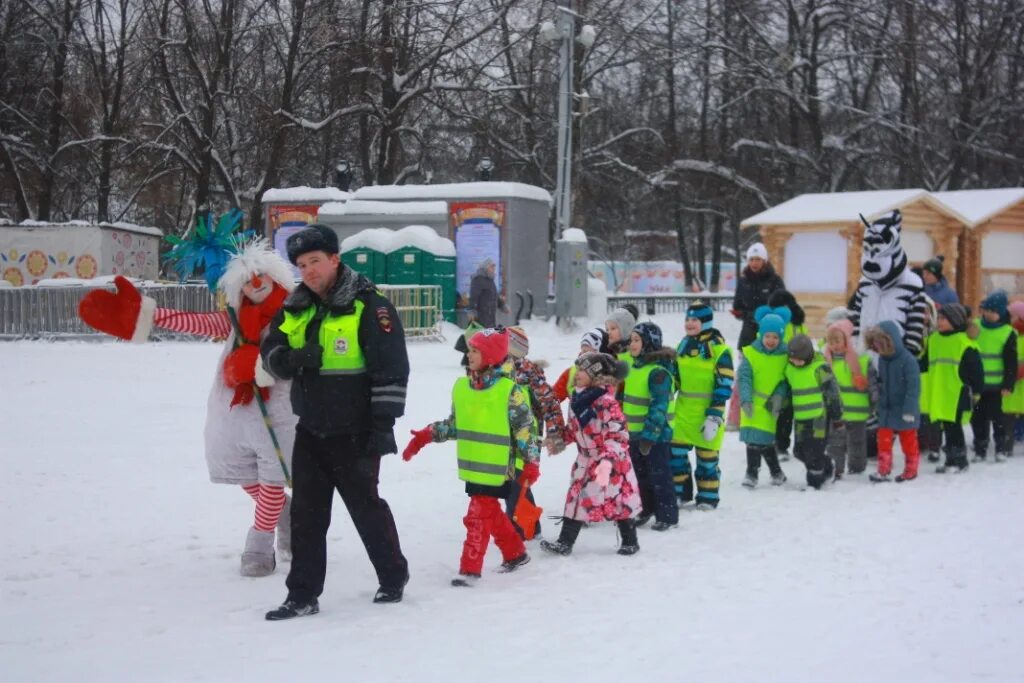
point(52, 312)
point(651, 304)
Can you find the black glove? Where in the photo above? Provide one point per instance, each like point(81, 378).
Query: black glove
point(309, 356)
point(383, 440)
point(646, 446)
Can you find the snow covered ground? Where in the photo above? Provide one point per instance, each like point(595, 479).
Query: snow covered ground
point(121, 558)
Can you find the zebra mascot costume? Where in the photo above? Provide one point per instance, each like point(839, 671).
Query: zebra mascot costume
point(888, 290)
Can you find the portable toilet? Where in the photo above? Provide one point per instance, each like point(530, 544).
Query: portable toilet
point(366, 253)
point(419, 256)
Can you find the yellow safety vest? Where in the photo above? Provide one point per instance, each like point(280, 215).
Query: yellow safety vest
point(944, 386)
point(696, 388)
point(990, 346)
point(339, 338)
point(483, 431)
point(768, 371)
point(1014, 403)
point(793, 330)
point(808, 402)
point(856, 402)
point(636, 397)
point(925, 386)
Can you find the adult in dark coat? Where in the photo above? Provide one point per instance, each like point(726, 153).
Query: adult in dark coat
point(341, 343)
point(935, 284)
point(756, 284)
point(483, 295)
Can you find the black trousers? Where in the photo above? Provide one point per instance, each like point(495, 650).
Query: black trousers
point(321, 465)
point(783, 429)
point(929, 435)
point(989, 411)
point(757, 452)
point(809, 448)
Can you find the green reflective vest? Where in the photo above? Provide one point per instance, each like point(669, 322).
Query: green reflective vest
point(570, 385)
point(793, 330)
point(990, 345)
point(856, 402)
point(1014, 403)
point(696, 386)
point(808, 402)
point(339, 338)
point(483, 431)
point(636, 397)
point(768, 371)
point(944, 386)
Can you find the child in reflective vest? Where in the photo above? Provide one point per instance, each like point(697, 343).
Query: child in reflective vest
point(704, 361)
point(1013, 405)
point(899, 399)
point(853, 373)
point(997, 343)
point(648, 405)
point(762, 394)
point(603, 486)
point(816, 406)
point(497, 442)
point(929, 434)
point(784, 425)
point(954, 376)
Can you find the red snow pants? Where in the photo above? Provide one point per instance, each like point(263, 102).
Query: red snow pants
point(485, 518)
point(908, 442)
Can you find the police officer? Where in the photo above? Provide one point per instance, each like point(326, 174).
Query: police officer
point(341, 343)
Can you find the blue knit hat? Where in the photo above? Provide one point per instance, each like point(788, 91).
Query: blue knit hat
point(997, 302)
point(772, 320)
point(650, 335)
point(702, 312)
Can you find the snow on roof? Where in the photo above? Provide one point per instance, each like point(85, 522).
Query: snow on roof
point(305, 194)
point(377, 239)
point(455, 191)
point(977, 206)
point(573, 235)
point(422, 237)
point(843, 207)
point(386, 241)
point(127, 227)
point(363, 207)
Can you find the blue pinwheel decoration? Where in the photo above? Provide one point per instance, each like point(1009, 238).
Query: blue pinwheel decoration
point(208, 247)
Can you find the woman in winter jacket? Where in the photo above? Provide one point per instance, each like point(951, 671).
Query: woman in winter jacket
point(603, 486)
point(647, 402)
point(757, 282)
point(935, 284)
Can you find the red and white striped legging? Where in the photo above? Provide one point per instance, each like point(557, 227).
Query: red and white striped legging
point(269, 503)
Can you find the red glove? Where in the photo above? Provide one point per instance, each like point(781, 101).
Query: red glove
point(114, 314)
point(420, 438)
point(736, 314)
point(530, 474)
point(860, 382)
point(240, 365)
point(1020, 372)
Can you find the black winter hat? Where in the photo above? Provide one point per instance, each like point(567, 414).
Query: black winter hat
point(599, 365)
point(802, 348)
point(782, 297)
point(650, 335)
point(956, 314)
point(311, 238)
point(934, 265)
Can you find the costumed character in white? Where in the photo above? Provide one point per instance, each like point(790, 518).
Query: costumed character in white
point(888, 289)
point(250, 428)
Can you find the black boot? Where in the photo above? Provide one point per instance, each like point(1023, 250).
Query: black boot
point(293, 608)
point(566, 538)
point(627, 529)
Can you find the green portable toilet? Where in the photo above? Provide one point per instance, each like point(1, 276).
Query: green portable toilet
point(419, 256)
point(365, 253)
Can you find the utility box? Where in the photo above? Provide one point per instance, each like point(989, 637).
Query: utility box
point(571, 285)
point(366, 253)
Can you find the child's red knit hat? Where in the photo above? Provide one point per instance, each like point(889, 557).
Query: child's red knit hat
point(492, 344)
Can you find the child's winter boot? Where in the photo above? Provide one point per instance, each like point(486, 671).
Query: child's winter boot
point(630, 545)
point(913, 459)
point(258, 558)
point(750, 480)
point(566, 537)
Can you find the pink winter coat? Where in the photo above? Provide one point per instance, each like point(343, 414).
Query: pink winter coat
point(603, 451)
